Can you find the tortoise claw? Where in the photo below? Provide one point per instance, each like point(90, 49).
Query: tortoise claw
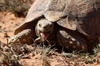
point(12, 40)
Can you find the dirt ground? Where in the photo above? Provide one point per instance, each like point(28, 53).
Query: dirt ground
point(8, 22)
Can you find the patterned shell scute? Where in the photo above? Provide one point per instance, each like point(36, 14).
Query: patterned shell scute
point(57, 5)
point(79, 8)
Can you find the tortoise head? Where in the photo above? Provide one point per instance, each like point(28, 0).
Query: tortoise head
point(44, 28)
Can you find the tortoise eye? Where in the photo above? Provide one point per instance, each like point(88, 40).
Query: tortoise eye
point(40, 25)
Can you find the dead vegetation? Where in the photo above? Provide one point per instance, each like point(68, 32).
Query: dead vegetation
point(43, 55)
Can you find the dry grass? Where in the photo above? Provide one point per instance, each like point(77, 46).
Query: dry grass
point(47, 55)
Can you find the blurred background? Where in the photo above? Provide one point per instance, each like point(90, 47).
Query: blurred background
point(18, 7)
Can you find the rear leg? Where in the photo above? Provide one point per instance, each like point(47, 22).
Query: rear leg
point(71, 40)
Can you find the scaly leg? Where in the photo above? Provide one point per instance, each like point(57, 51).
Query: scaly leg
point(23, 37)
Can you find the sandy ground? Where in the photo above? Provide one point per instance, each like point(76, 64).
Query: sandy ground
point(8, 22)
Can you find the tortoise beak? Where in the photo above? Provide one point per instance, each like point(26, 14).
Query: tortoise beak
point(44, 36)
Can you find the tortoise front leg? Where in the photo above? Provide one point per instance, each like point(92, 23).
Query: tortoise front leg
point(23, 37)
point(37, 40)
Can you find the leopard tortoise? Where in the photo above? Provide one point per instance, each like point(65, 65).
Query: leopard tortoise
point(74, 24)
